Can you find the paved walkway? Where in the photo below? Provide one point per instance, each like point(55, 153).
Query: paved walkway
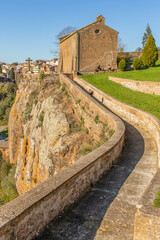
point(107, 211)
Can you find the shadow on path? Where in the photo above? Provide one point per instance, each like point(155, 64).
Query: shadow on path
point(83, 219)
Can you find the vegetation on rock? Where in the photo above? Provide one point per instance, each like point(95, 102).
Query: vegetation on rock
point(157, 200)
point(7, 181)
point(7, 96)
point(12, 74)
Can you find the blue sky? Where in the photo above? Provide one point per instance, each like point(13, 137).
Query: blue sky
point(29, 27)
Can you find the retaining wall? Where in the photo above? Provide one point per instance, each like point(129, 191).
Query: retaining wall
point(28, 214)
point(146, 220)
point(132, 55)
point(141, 86)
point(143, 119)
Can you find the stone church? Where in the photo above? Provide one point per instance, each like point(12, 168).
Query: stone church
point(89, 47)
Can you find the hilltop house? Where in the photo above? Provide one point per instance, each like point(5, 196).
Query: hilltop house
point(89, 47)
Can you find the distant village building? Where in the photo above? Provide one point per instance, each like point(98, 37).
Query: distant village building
point(53, 62)
point(35, 69)
point(92, 46)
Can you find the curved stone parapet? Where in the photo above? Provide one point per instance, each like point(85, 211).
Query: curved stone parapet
point(140, 86)
point(147, 217)
point(133, 115)
point(28, 214)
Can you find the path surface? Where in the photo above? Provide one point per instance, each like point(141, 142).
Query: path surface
point(107, 210)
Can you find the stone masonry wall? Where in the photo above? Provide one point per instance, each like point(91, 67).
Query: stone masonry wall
point(147, 219)
point(145, 120)
point(141, 86)
point(68, 54)
point(28, 214)
point(130, 56)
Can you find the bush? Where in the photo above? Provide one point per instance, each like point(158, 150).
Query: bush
point(122, 65)
point(137, 63)
point(7, 181)
point(142, 60)
point(7, 96)
point(41, 118)
point(150, 52)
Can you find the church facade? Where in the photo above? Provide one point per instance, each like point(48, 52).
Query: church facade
point(89, 47)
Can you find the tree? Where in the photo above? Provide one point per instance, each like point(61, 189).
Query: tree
point(65, 31)
point(12, 74)
point(146, 35)
point(121, 45)
point(150, 52)
point(139, 49)
point(15, 63)
point(0, 69)
point(62, 33)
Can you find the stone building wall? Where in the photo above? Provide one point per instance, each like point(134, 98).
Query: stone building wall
point(97, 48)
point(68, 54)
point(87, 48)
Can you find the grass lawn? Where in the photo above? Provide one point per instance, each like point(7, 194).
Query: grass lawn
point(146, 102)
point(150, 74)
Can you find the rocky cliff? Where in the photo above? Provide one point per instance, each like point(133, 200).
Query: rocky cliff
point(45, 132)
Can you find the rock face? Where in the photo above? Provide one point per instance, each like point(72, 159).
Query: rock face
point(46, 133)
point(41, 141)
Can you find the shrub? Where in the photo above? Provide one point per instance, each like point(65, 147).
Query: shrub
point(96, 119)
point(137, 63)
point(122, 65)
point(82, 121)
point(86, 149)
point(150, 52)
point(142, 60)
point(35, 101)
point(41, 118)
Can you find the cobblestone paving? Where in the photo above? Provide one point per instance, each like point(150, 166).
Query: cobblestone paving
point(87, 219)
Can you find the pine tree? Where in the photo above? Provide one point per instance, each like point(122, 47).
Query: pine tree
point(146, 35)
point(150, 52)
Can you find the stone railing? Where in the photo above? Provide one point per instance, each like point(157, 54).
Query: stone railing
point(141, 86)
point(147, 218)
point(28, 214)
